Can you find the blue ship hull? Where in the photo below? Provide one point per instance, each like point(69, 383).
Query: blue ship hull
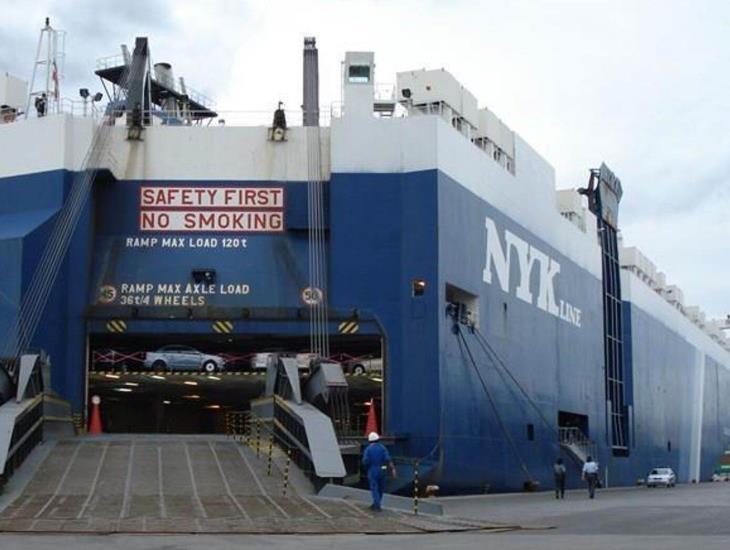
point(384, 232)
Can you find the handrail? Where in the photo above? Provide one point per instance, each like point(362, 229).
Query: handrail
point(237, 117)
point(110, 61)
point(117, 60)
point(246, 427)
point(384, 91)
point(21, 418)
point(27, 432)
point(571, 435)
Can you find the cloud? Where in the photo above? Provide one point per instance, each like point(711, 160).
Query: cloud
point(680, 192)
point(188, 34)
point(691, 248)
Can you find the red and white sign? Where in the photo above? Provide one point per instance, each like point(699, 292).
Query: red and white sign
point(212, 209)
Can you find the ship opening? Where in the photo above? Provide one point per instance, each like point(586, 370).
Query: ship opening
point(187, 384)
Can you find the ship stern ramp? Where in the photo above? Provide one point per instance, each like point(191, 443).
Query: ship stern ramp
point(178, 484)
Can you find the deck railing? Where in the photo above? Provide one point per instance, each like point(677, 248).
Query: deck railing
point(21, 420)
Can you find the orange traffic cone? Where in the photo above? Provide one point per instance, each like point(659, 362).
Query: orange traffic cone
point(95, 416)
point(372, 424)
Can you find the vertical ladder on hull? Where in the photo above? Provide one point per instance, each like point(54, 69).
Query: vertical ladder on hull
point(604, 194)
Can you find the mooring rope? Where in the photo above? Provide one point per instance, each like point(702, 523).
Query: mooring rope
point(493, 404)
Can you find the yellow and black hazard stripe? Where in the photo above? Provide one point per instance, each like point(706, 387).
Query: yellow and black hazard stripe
point(348, 327)
point(116, 325)
point(222, 327)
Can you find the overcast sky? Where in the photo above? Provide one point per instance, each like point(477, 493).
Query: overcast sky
point(641, 85)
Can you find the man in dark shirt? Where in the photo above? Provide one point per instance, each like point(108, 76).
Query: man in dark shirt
point(376, 459)
point(40, 105)
point(559, 472)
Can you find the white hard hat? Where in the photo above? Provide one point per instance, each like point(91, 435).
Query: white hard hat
point(373, 436)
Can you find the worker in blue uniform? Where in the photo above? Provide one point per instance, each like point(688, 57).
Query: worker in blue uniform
point(376, 459)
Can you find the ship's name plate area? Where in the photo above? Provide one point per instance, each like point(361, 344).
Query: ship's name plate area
point(168, 294)
point(499, 260)
point(212, 209)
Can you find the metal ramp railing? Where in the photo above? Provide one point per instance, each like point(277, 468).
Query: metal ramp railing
point(308, 433)
point(21, 417)
point(304, 420)
point(301, 431)
point(579, 444)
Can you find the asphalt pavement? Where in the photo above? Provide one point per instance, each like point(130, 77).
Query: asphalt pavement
point(695, 517)
point(684, 510)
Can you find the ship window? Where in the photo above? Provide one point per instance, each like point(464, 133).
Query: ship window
point(358, 73)
point(419, 287)
point(466, 303)
point(531, 432)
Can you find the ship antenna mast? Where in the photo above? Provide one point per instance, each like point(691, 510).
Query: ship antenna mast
point(45, 84)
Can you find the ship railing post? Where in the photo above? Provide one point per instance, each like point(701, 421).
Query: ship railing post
point(287, 465)
point(415, 488)
point(270, 453)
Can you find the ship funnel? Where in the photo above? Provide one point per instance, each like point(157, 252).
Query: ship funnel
point(163, 74)
point(310, 104)
point(165, 77)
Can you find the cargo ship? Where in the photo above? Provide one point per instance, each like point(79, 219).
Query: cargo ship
point(160, 252)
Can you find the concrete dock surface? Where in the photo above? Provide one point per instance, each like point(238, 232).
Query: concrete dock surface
point(215, 494)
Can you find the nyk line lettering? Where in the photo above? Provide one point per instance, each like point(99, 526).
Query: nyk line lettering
point(529, 258)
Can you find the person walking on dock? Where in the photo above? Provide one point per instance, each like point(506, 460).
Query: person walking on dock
point(376, 459)
point(559, 471)
point(590, 475)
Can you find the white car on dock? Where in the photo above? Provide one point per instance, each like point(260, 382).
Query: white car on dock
point(661, 476)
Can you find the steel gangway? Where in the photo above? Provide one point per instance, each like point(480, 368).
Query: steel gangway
point(577, 443)
point(294, 415)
